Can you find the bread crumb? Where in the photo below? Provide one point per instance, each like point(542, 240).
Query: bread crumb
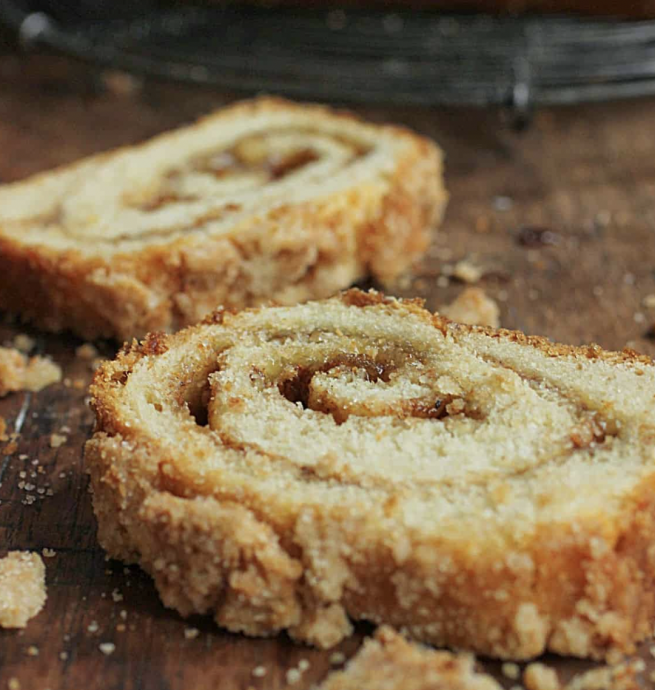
point(107, 648)
point(57, 440)
point(24, 343)
point(467, 272)
point(40, 373)
point(93, 627)
point(13, 684)
point(191, 633)
point(303, 665)
point(22, 588)
point(473, 306)
point(86, 351)
point(49, 553)
point(18, 372)
point(337, 658)
point(293, 676)
point(649, 301)
point(116, 596)
point(259, 671)
point(33, 650)
point(63, 656)
point(511, 670)
point(540, 677)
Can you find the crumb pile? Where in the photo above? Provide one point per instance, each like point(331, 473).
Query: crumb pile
point(22, 588)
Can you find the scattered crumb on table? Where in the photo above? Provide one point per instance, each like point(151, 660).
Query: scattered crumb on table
point(22, 588)
point(473, 306)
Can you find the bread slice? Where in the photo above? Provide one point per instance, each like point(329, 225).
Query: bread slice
point(262, 200)
point(388, 662)
point(296, 467)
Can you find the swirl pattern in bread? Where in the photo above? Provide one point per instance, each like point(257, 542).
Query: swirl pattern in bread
point(360, 458)
point(263, 200)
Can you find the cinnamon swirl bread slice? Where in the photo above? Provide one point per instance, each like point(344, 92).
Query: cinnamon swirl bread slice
point(360, 458)
point(263, 200)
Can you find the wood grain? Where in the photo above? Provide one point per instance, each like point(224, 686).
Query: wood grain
point(584, 174)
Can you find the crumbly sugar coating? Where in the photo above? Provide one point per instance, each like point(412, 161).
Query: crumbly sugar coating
point(22, 588)
point(388, 662)
point(360, 458)
point(18, 372)
point(264, 200)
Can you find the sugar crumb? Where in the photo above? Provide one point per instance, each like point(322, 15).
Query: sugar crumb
point(467, 272)
point(57, 440)
point(649, 301)
point(107, 648)
point(502, 203)
point(293, 675)
point(511, 670)
point(24, 343)
point(259, 671)
point(191, 633)
point(337, 658)
point(540, 677)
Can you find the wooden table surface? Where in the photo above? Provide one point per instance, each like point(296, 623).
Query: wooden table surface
point(585, 174)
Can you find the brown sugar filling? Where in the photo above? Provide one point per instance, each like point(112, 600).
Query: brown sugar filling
point(296, 387)
point(249, 155)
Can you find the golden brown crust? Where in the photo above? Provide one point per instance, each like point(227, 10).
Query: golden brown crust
point(513, 517)
point(196, 218)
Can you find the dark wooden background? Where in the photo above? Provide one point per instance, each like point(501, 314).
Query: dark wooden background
point(584, 174)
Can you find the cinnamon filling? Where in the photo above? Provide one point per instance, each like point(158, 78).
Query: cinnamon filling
point(297, 388)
